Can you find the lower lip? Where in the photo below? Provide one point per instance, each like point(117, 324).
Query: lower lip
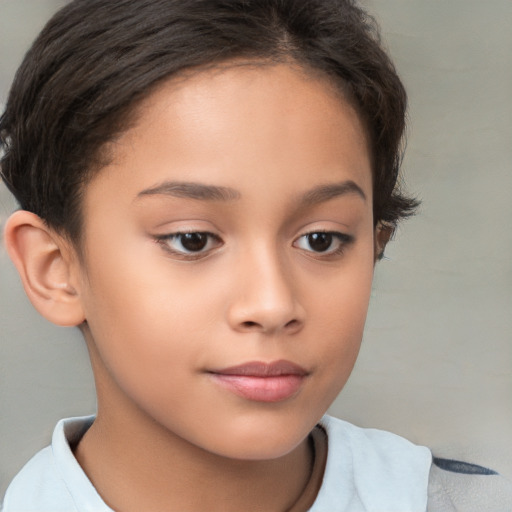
point(261, 389)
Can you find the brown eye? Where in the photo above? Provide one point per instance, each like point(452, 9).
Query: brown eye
point(324, 242)
point(320, 242)
point(196, 243)
point(193, 242)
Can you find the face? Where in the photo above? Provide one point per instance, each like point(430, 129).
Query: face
point(229, 258)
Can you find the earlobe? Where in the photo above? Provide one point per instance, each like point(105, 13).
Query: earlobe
point(382, 235)
point(47, 268)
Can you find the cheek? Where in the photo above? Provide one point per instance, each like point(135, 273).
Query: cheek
point(136, 317)
point(152, 320)
point(340, 312)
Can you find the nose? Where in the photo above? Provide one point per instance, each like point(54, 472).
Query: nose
point(266, 298)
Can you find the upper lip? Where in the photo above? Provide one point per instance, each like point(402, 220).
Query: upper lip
point(262, 369)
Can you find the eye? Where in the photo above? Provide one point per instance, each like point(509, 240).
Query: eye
point(193, 243)
point(323, 242)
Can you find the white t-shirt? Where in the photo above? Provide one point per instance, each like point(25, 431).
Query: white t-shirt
point(367, 470)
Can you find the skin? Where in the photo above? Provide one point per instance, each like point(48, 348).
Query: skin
point(159, 320)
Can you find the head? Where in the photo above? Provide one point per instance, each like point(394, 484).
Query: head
point(231, 165)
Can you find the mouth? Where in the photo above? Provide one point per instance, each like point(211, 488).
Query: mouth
point(262, 382)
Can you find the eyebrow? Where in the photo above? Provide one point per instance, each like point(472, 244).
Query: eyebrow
point(191, 190)
point(324, 193)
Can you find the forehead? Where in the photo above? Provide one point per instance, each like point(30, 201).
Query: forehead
point(214, 125)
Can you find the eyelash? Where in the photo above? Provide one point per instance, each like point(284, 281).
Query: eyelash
point(165, 241)
point(343, 241)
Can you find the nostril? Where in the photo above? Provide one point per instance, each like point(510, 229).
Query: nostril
point(292, 324)
point(250, 325)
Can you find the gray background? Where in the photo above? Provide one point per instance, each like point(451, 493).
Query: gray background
point(436, 362)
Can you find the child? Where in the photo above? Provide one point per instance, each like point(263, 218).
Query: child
point(205, 189)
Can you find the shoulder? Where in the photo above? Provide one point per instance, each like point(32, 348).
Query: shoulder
point(53, 481)
point(394, 452)
point(374, 467)
point(38, 487)
point(369, 469)
point(460, 486)
point(336, 427)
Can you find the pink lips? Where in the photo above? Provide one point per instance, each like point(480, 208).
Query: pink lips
point(262, 382)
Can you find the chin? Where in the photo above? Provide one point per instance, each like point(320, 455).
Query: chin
point(260, 451)
point(259, 440)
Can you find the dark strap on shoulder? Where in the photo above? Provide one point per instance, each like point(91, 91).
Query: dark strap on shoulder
point(456, 486)
point(465, 468)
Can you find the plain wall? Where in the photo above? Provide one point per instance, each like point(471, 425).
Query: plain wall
point(436, 360)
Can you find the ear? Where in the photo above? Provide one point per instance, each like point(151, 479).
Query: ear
point(48, 268)
point(382, 235)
